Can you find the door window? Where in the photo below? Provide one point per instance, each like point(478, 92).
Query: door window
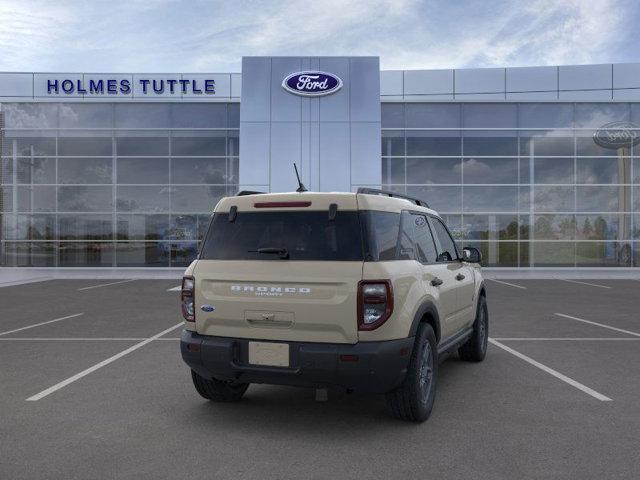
point(425, 246)
point(446, 246)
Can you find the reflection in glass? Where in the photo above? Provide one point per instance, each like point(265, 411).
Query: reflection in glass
point(90, 146)
point(21, 254)
point(490, 170)
point(546, 144)
point(85, 199)
point(195, 199)
point(211, 144)
point(441, 199)
point(490, 199)
point(603, 254)
point(392, 143)
point(34, 227)
point(554, 227)
point(553, 199)
point(393, 170)
point(30, 146)
point(183, 253)
point(553, 254)
point(603, 170)
point(143, 199)
point(85, 227)
point(497, 254)
point(36, 198)
point(30, 115)
point(142, 115)
point(490, 227)
point(199, 115)
point(433, 143)
point(34, 170)
point(142, 227)
point(489, 144)
point(132, 170)
point(553, 170)
point(434, 170)
point(545, 115)
point(490, 115)
point(142, 254)
point(433, 115)
point(85, 170)
point(85, 115)
point(199, 170)
point(142, 146)
point(601, 198)
point(392, 115)
point(602, 226)
point(79, 254)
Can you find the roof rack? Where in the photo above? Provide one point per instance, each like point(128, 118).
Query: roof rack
point(374, 191)
point(242, 193)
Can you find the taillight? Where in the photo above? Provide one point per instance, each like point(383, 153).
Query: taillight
point(375, 303)
point(187, 299)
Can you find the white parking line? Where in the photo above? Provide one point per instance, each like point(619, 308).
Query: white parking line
point(91, 339)
point(629, 332)
point(584, 283)
point(175, 289)
point(106, 284)
point(557, 339)
point(41, 323)
point(551, 371)
point(507, 283)
point(97, 366)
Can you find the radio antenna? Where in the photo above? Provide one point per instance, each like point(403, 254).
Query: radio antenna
point(301, 187)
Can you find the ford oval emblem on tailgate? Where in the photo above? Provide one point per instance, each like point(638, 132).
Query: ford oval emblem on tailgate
point(207, 308)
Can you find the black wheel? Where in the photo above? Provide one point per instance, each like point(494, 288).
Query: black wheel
point(217, 390)
point(413, 400)
point(475, 349)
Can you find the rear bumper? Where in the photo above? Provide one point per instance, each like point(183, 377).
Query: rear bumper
point(374, 367)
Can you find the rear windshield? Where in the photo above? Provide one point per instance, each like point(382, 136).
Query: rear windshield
point(302, 235)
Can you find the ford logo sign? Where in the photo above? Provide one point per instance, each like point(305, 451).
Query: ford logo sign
point(207, 308)
point(312, 83)
point(617, 135)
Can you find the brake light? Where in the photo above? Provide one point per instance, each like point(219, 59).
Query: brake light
point(187, 299)
point(281, 204)
point(375, 303)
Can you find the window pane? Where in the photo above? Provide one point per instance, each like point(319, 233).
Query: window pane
point(35, 227)
point(490, 227)
point(29, 146)
point(433, 143)
point(35, 170)
point(553, 254)
point(490, 170)
point(199, 115)
point(183, 253)
point(392, 115)
point(142, 146)
point(86, 115)
point(598, 114)
point(78, 254)
point(85, 227)
point(195, 199)
point(487, 115)
point(37, 199)
point(441, 199)
point(183, 227)
point(233, 143)
point(142, 254)
point(432, 115)
point(143, 199)
point(393, 170)
point(490, 145)
point(497, 254)
point(545, 115)
point(6, 170)
point(140, 115)
point(92, 146)
point(604, 227)
point(554, 199)
point(600, 199)
point(212, 144)
point(142, 227)
point(233, 112)
point(85, 170)
point(546, 144)
point(199, 170)
point(30, 115)
point(553, 170)
point(490, 199)
point(6, 199)
point(434, 170)
point(585, 145)
point(425, 246)
point(143, 170)
point(381, 233)
point(636, 170)
point(554, 227)
point(603, 254)
point(446, 246)
point(41, 254)
point(392, 143)
point(85, 199)
point(602, 170)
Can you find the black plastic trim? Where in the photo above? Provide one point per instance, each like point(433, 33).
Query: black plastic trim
point(430, 308)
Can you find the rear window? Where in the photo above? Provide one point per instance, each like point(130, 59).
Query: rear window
point(306, 235)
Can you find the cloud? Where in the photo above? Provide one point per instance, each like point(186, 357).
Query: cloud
point(167, 36)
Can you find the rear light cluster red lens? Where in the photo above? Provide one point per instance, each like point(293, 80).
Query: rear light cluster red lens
point(187, 299)
point(281, 204)
point(375, 303)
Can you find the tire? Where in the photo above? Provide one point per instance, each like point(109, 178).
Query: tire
point(218, 391)
point(413, 400)
point(475, 349)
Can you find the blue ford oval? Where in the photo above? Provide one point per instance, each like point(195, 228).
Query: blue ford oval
point(312, 83)
point(207, 308)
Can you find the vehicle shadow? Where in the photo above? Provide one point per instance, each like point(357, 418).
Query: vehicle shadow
point(290, 410)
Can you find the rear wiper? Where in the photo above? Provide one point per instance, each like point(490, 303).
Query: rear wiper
point(282, 252)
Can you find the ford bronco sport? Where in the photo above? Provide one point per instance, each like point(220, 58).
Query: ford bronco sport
point(364, 291)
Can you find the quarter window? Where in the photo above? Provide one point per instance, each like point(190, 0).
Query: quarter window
point(425, 247)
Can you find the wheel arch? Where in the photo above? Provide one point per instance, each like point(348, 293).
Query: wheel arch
point(426, 313)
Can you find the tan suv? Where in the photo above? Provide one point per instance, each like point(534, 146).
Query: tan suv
point(365, 291)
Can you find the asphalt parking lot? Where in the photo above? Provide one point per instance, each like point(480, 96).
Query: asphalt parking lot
point(93, 386)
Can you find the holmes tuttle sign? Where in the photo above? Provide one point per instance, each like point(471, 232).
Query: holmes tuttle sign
point(312, 83)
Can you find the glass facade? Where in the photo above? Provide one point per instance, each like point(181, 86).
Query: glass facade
point(112, 184)
point(524, 182)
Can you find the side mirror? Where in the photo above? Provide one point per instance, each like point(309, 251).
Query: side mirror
point(471, 255)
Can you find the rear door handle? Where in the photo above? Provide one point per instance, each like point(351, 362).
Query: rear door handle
point(436, 282)
point(460, 277)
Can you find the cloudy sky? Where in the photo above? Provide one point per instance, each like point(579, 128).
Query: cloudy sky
point(212, 36)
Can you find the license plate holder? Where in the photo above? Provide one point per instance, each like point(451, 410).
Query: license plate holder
point(269, 354)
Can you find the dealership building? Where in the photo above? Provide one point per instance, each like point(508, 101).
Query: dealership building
point(536, 166)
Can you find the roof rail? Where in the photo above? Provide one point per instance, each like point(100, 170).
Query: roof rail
point(242, 193)
point(374, 191)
